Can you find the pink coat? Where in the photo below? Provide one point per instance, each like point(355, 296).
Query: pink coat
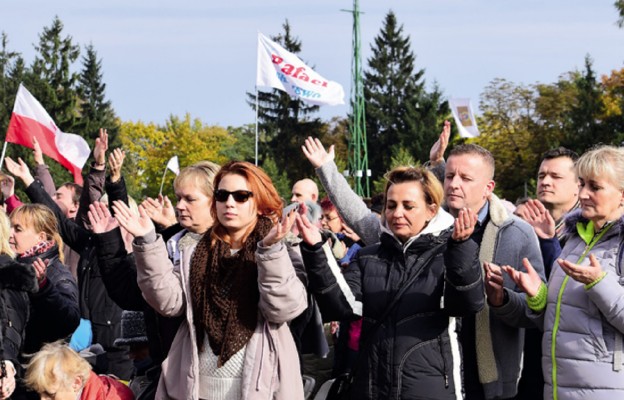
point(271, 366)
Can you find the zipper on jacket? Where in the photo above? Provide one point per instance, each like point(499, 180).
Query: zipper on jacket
point(553, 343)
point(446, 378)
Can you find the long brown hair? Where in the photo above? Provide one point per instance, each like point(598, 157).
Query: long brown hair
point(41, 219)
point(268, 201)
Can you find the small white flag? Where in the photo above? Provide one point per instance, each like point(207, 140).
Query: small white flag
point(464, 117)
point(173, 165)
point(280, 69)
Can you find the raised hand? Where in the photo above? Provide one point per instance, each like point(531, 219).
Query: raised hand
point(584, 274)
point(436, 154)
point(464, 224)
point(280, 229)
point(136, 225)
point(536, 215)
point(7, 186)
point(316, 153)
point(494, 288)
point(37, 153)
point(115, 162)
point(309, 232)
point(529, 281)
point(99, 150)
point(100, 218)
point(19, 169)
point(161, 211)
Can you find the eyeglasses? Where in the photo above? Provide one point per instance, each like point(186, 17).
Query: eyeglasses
point(240, 196)
point(328, 218)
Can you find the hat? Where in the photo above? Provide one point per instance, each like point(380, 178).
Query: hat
point(132, 329)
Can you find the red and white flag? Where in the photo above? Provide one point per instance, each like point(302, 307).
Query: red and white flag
point(30, 119)
point(280, 69)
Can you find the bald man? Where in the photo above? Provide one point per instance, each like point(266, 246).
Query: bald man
point(303, 190)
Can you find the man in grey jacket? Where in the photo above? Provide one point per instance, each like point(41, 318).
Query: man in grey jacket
point(492, 350)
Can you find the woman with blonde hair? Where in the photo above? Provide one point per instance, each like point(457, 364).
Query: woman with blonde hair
point(408, 289)
point(236, 289)
point(580, 309)
point(35, 239)
point(17, 281)
point(59, 373)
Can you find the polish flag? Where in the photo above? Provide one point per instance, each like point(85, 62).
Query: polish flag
point(30, 119)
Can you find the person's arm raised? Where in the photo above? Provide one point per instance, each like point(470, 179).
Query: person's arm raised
point(350, 206)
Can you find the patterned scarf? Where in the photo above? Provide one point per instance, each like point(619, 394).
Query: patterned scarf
point(224, 292)
point(39, 248)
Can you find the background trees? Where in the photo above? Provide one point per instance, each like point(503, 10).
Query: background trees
point(400, 112)
point(518, 122)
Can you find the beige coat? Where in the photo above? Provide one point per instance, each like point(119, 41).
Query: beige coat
point(271, 367)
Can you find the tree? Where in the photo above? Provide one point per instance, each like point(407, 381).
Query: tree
point(50, 78)
point(506, 127)
point(284, 121)
point(11, 72)
point(619, 5)
point(400, 113)
point(586, 128)
point(148, 148)
point(95, 111)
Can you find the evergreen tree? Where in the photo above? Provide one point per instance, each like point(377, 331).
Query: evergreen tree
point(585, 114)
point(284, 121)
point(51, 79)
point(399, 111)
point(95, 111)
point(11, 72)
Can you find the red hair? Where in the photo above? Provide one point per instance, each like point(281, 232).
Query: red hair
point(268, 201)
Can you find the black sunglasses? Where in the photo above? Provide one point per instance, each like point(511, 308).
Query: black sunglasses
point(240, 196)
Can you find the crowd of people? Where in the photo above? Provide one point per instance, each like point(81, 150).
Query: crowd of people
point(434, 289)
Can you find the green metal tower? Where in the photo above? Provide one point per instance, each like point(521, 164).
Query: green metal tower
point(358, 153)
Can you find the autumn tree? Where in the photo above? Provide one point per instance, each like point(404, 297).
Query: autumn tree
point(148, 148)
point(400, 113)
point(506, 127)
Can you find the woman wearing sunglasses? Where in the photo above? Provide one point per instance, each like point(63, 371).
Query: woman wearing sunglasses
point(241, 290)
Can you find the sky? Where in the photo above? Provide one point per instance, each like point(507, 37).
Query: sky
point(161, 57)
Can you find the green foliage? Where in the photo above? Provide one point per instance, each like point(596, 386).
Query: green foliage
point(149, 147)
point(95, 111)
point(279, 178)
point(399, 111)
point(619, 5)
point(400, 157)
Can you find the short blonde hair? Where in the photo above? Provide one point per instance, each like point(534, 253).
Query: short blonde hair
point(431, 186)
point(55, 366)
point(5, 232)
point(201, 174)
point(602, 161)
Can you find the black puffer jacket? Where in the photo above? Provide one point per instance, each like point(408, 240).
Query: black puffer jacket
point(55, 313)
point(414, 354)
point(17, 281)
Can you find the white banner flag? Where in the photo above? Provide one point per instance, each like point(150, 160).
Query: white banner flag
point(174, 165)
point(464, 117)
point(280, 69)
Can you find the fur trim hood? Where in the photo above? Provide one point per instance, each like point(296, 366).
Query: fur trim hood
point(17, 276)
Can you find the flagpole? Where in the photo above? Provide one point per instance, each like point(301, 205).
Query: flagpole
point(162, 183)
point(256, 126)
point(3, 153)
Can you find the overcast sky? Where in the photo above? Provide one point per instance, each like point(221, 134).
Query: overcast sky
point(173, 57)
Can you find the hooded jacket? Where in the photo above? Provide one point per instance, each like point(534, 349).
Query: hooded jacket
point(414, 353)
